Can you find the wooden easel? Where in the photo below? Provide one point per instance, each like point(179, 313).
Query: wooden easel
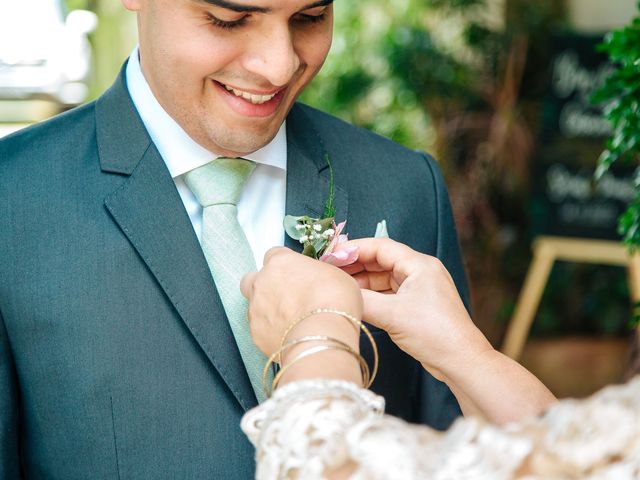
point(546, 250)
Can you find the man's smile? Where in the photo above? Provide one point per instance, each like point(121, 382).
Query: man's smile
point(256, 99)
point(251, 104)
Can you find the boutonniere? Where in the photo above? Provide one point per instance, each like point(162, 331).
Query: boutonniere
point(321, 236)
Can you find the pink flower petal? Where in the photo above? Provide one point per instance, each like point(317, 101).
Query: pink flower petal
point(341, 258)
point(337, 237)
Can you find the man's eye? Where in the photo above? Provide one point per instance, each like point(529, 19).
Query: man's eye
point(226, 24)
point(306, 18)
point(313, 15)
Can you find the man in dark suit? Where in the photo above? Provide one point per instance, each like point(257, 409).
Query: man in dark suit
point(117, 359)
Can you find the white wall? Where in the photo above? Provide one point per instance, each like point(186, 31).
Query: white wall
point(495, 13)
point(600, 15)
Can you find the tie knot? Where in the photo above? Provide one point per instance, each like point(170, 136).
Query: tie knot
point(220, 181)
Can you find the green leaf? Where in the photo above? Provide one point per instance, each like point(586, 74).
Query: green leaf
point(326, 223)
point(309, 250)
point(635, 320)
point(329, 209)
point(290, 222)
point(319, 245)
point(621, 96)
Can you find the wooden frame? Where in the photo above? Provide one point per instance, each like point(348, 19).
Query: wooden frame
point(546, 251)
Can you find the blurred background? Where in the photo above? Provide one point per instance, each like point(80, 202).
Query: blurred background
point(499, 91)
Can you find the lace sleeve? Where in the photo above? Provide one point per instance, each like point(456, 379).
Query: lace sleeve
point(316, 425)
point(300, 431)
point(311, 426)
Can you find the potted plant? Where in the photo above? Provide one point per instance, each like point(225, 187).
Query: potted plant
point(622, 93)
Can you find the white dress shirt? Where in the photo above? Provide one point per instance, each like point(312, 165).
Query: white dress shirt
point(261, 207)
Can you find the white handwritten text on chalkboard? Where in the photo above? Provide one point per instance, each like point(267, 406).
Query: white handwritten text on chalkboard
point(576, 83)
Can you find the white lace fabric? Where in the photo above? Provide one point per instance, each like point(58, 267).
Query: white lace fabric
point(313, 426)
point(300, 431)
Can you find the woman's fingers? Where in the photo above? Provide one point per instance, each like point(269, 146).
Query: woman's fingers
point(376, 281)
point(353, 269)
point(385, 255)
point(378, 309)
point(381, 251)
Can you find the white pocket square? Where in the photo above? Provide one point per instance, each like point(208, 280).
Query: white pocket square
point(381, 230)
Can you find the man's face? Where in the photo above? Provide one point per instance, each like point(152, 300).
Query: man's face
point(228, 71)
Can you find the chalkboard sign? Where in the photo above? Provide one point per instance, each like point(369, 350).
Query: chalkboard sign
point(566, 202)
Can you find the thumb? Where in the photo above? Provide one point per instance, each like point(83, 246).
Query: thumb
point(378, 308)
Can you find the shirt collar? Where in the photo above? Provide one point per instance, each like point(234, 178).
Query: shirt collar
point(179, 151)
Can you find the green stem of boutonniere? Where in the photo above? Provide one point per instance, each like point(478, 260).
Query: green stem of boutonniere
point(315, 234)
point(329, 209)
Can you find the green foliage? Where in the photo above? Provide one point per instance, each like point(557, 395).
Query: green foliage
point(621, 92)
point(635, 320)
point(76, 4)
point(357, 82)
point(423, 67)
point(405, 68)
point(455, 5)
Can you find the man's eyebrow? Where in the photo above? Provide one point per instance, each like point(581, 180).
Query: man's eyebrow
point(319, 3)
point(236, 7)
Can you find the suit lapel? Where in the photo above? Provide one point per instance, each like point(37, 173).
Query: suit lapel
point(150, 213)
point(308, 173)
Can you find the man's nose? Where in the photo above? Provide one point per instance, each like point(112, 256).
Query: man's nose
point(273, 56)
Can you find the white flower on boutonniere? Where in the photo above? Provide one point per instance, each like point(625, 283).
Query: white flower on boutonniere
point(321, 236)
point(381, 230)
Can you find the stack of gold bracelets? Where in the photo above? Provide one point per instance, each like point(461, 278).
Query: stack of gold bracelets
point(368, 375)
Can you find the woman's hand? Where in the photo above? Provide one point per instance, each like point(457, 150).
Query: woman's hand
point(290, 286)
point(413, 297)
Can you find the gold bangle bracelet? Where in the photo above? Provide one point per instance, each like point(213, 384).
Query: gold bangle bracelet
point(312, 313)
point(314, 351)
point(357, 323)
point(364, 368)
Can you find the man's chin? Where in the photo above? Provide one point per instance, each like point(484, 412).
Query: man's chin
point(239, 146)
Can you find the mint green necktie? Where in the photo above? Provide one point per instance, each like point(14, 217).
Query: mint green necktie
point(217, 186)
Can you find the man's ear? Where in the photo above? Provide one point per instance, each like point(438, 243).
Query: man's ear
point(133, 5)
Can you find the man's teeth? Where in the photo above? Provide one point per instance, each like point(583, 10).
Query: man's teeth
point(255, 99)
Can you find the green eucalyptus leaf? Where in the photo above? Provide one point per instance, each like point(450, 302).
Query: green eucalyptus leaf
point(319, 245)
point(290, 223)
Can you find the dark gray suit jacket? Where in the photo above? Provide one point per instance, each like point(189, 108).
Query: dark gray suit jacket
point(116, 358)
